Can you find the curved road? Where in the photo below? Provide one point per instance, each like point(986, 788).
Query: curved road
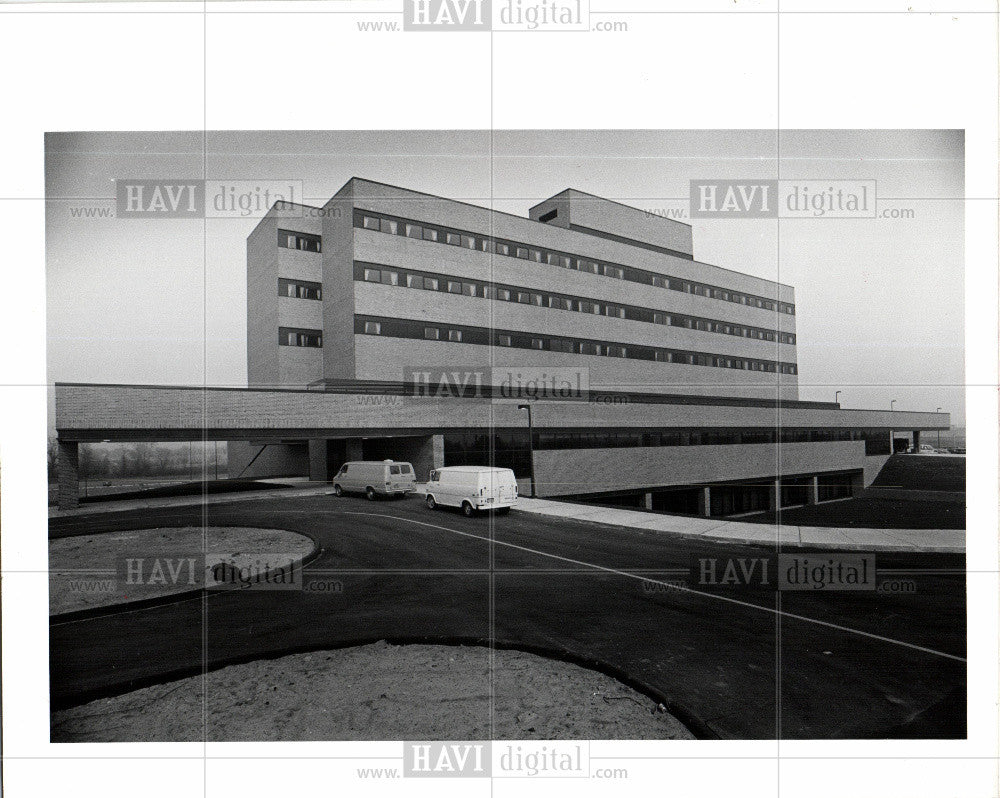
point(749, 664)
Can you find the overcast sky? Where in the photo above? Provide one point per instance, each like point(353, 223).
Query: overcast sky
point(879, 301)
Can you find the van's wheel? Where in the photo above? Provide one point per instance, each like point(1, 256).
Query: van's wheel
point(431, 504)
point(370, 493)
point(338, 491)
point(467, 510)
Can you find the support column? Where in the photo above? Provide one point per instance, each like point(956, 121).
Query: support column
point(705, 501)
point(774, 496)
point(68, 467)
point(430, 455)
point(812, 491)
point(916, 440)
point(318, 468)
point(647, 501)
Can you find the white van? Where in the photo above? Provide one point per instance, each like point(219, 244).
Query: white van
point(379, 478)
point(472, 488)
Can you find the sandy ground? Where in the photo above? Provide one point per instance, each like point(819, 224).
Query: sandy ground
point(84, 571)
point(378, 692)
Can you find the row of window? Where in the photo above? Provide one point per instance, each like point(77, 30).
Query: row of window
point(394, 225)
point(290, 239)
point(470, 443)
point(299, 289)
point(403, 328)
point(295, 336)
point(690, 437)
point(375, 273)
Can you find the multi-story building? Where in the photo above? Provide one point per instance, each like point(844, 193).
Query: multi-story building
point(691, 400)
point(382, 279)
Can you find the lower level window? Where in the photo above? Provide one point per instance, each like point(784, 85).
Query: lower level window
point(293, 336)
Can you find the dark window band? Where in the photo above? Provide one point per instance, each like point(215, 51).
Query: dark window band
point(439, 331)
point(299, 289)
point(409, 228)
point(429, 281)
point(296, 336)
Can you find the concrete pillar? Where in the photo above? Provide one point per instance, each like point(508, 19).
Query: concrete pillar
point(318, 469)
point(774, 496)
point(812, 491)
point(429, 455)
point(68, 467)
point(916, 440)
point(354, 449)
point(647, 501)
point(705, 501)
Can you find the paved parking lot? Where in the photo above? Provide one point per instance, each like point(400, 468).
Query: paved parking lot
point(845, 664)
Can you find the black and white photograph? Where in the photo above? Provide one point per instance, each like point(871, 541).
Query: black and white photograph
point(410, 464)
point(350, 456)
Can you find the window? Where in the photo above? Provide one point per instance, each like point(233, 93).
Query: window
point(388, 226)
point(561, 345)
point(453, 238)
point(661, 356)
point(405, 468)
point(455, 335)
point(521, 252)
point(470, 289)
point(369, 223)
point(614, 271)
point(430, 234)
point(454, 287)
point(504, 340)
point(373, 328)
point(659, 282)
point(390, 278)
point(588, 266)
point(299, 289)
point(394, 469)
point(373, 275)
point(431, 283)
point(469, 242)
point(661, 318)
point(432, 333)
point(414, 281)
point(615, 311)
point(290, 239)
point(293, 336)
point(414, 231)
point(503, 294)
point(537, 343)
point(502, 248)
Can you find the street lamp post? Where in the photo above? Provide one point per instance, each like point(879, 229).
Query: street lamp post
point(531, 448)
point(892, 446)
point(938, 432)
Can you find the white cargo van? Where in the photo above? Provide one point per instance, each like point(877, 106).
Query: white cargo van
point(472, 488)
point(380, 478)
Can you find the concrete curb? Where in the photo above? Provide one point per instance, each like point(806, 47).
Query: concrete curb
point(942, 541)
point(171, 598)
